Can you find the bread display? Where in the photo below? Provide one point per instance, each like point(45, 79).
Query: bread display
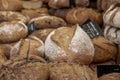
point(67, 3)
point(80, 15)
point(66, 44)
point(65, 71)
point(12, 31)
point(43, 22)
point(10, 5)
point(104, 49)
point(112, 34)
point(112, 16)
point(110, 76)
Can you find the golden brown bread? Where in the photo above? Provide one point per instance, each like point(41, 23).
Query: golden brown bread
point(23, 68)
point(104, 49)
point(66, 3)
point(110, 76)
point(10, 5)
point(47, 21)
point(66, 44)
point(32, 4)
point(42, 34)
point(34, 13)
point(66, 71)
point(79, 15)
point(12, 31)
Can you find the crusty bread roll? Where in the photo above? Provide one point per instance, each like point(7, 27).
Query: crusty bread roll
point(65, 71)
point(10, 5)
point(70, 44)
point(79, 15)
point(112, 34)
point(35, 68)
point(103, 5)
point(48, 22)
point(66, 3)
point(12, 31)
point(104, 49)
point(34, 13)
point(10, 15)
point(32, 4)
point(42, 34)
point(110, 76)
point(112, 16)
point(33, 45)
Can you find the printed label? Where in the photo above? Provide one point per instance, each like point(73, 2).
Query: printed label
point(31, 27)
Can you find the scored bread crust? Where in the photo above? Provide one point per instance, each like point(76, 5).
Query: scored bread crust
point(79, 49)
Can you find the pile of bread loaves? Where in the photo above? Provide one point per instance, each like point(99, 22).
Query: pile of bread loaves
point(44, 40)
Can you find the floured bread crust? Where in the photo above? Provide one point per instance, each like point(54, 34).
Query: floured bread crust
point(69, 44)
point(12, 31)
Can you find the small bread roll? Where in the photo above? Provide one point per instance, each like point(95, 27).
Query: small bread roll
point(12, 31)
point(10, 5)
point(10, 15)
point(112, 34)
point(65, 71)
point(70, 44)
point(104, 49)
point(48, 22)
point(112, 16)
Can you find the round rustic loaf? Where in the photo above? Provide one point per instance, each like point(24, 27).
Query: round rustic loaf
point(112, 34)
point(112, 16)
point(35, 68)
point(10, 5)
point(104, 49)
point(65, 71)
point(48, 22)
point(10, 15)
point(70, 44)
point(12, 31)
point(110, 76)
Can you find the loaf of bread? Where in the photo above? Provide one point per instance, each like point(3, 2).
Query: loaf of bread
point(10, 15)
point(33, 45)
point(43, 22)
point(80, 15)
point(10, 5)
point(12, 31)
point(70, 44)
point(66, 3)
point(112, 16)
point(103, 5)
point(42, 34)
point(112, 34)
point(35, 4)
point(35, 68)
point(110, 76)
point(65, 71)
point(34, 13)
point(104, 49)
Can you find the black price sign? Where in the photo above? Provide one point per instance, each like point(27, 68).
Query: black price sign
point(31, 27)
point(92, 28)
point(72, 3)
point(105, 69)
